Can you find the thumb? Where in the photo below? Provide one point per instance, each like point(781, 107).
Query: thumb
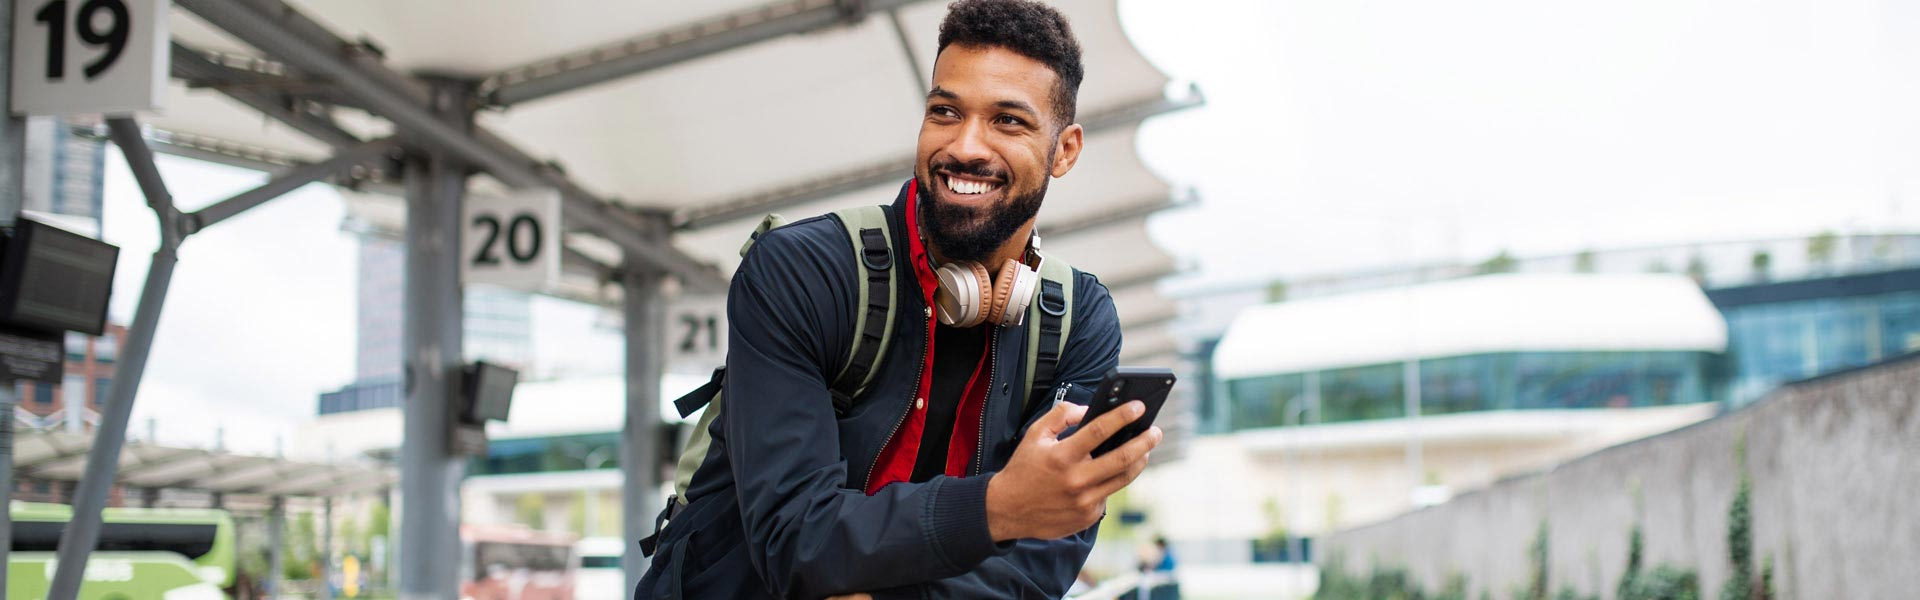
point(1058, 419)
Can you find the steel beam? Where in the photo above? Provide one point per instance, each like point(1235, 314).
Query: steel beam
point(645, 328)
point(103, 459)
point(895, 170)
point(282, 32)
point(287, 182)
point(244, 156)
point(1130, 211)
point(193, 65)
point(647, 52)
point(1147, 278)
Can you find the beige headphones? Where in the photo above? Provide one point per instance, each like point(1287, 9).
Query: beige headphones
point(969, 297)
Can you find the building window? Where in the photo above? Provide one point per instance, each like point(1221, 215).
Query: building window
point(76, 346)
point(100, 387)
point(43, 394)
point(73, 390)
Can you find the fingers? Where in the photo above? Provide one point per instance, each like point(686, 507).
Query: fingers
point(1092, 434)
point(1113, 484)
point(1058, 419)
point(1126, 462)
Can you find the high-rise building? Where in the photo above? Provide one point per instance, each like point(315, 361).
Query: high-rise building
point(498, 329)
point(64, 174)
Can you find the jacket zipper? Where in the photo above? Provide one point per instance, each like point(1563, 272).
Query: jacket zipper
point(993, 369)
point(920, 371)
point(1061, 396)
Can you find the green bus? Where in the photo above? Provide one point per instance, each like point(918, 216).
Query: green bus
point(143, 554)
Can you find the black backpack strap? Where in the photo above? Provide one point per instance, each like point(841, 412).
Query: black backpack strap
point(867, 228)
point(1053, 311)
point(702, 395)
point(1051, 317)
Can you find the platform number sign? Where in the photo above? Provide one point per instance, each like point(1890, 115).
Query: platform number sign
point(512, 240)
point(89, 56)
point(696, 333)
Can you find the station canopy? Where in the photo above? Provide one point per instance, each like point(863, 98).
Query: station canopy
point(62, 456)
point(702, 115)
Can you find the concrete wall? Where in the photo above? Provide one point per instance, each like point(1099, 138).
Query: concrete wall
point(1330, 477)
point(1835, 465)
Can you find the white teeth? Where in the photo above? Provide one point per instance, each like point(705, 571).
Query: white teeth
point(968, 187)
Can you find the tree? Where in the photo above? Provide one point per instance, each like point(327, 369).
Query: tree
point(1500, 263)
point(1697, 268)
point(1820, 248)
point(301, 551)
point(1762, 263)
point(530, 510)
point(1583, 262)
point(1276, 291)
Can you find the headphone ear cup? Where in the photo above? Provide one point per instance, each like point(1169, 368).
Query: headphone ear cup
point(983, 305)
point(1023, 287)
point(963, 294)
point(1003, 290)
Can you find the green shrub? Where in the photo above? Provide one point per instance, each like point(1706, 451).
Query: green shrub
point(1537, 583)
point(1663, 583)
point(1740, 530)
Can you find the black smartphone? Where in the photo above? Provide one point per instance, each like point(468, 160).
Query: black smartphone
point(1149, 385)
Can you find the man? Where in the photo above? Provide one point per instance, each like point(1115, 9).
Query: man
point(936, 482)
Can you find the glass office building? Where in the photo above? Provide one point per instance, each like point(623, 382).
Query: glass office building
point(1480, 382)
point(1781, 332)
point(1495, 343)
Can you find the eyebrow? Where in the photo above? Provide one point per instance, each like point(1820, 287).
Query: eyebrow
point(944, 94)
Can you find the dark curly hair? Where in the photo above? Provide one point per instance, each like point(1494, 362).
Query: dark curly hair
point(1028, 28)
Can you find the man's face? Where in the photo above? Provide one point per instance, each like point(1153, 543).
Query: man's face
point(989, 141)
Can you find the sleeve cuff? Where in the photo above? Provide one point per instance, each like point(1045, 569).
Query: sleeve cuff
point(957, 522)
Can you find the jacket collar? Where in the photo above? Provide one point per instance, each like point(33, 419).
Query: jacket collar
point(906, 213)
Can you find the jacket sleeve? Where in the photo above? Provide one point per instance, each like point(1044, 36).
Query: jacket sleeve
point(807, 535)
point(1036, 568)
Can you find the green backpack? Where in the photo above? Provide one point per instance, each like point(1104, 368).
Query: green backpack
point(871, 239)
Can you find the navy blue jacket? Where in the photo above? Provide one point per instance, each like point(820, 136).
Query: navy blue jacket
point(777, 509)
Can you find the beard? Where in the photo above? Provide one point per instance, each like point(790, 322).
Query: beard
point(973, 233)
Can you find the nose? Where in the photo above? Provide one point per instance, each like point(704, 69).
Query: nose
point(970, 146)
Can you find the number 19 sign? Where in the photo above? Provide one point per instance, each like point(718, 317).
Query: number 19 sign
point(512, 240)
point(89, 56)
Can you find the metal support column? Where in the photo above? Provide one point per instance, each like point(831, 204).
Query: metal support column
point(326, 548)
point(7, 401)
point(13, 149)
point(13, 156)
point(103, 459)
point(276, 545)
point(429, 560)
point(646, 320)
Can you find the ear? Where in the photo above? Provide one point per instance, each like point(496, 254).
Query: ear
point(1066, 149)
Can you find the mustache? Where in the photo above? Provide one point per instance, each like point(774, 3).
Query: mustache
point(979, 169)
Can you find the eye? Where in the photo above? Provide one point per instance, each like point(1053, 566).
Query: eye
point(942, 110)
point(1009, 120)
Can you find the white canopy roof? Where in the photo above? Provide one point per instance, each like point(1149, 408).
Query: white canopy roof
point(712, 113)
point(1475, 315)
point(62, 456)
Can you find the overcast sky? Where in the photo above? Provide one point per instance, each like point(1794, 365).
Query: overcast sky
point(1337, 135)
point(1341, 134)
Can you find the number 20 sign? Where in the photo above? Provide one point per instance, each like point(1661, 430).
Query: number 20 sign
point(512, 240)
point(89, 56)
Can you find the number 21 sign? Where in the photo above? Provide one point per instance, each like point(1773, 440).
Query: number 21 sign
point(89, 56)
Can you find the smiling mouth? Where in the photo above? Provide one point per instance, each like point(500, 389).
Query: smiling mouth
point(968, 187)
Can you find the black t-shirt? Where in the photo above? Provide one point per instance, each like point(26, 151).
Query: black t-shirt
point(956, 354)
